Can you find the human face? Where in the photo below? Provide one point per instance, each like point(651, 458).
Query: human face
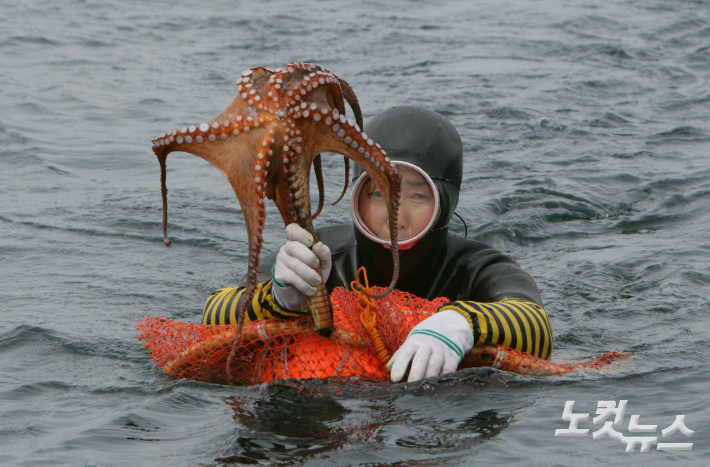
point(416, 209)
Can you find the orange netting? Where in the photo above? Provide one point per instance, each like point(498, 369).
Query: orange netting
point(273, 349)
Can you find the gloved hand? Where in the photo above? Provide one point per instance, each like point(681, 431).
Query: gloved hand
point(294, 273)
point(434, 347)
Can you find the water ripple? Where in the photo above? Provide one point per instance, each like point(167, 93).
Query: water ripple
point(585, 135)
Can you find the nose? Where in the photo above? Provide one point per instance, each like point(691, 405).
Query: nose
point(403, 222)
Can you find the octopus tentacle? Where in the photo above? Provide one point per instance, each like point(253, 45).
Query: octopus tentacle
point(255, 230)
point(347, 182)
point(337, 102)
point(350, 135)
point(164, 194)
point(265, 142)
point(318, 169)
point(187, 137)
point(350, 97)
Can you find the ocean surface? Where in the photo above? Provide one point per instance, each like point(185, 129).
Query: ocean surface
point(586, 128)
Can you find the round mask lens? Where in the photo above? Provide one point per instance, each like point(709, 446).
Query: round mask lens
point(418, 209)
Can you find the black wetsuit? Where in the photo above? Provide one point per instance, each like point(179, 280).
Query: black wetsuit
point(500, 301)
point(461, 270)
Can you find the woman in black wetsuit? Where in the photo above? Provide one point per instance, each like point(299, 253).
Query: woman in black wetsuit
point(494, 300)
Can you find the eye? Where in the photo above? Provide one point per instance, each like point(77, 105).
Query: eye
point(420, 197)
point(376, 194)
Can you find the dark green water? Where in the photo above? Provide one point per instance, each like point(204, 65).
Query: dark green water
point(586, 128)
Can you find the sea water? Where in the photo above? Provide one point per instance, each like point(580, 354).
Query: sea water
point(586, 130)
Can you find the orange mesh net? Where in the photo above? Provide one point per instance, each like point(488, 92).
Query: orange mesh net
point(273, 349)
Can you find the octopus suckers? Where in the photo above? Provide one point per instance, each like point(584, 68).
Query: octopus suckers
point(290, 113)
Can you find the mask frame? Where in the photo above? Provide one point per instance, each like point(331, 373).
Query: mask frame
point(360, 224)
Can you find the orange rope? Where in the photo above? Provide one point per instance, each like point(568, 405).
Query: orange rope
point(368, 318)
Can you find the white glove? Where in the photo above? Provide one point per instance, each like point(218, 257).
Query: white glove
point(434, 347)
point(294, 273)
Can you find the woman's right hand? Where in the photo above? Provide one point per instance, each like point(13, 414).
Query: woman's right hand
point(294, 275)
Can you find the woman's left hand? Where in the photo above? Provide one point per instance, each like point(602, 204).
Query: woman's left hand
point(434, 347)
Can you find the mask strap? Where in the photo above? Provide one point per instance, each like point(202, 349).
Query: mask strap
point(465, 227)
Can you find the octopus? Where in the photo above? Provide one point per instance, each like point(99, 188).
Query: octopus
point(266, 142)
